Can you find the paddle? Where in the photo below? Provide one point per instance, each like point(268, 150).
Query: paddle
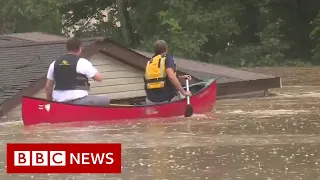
point(189, 109)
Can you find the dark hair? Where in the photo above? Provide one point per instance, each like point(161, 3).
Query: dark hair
point(160, 46)
point(73, 44)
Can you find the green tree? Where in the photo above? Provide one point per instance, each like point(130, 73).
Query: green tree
point(315, 37)
point(229, 32)
point(31, 15)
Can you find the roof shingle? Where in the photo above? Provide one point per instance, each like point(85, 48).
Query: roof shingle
point(7, 41)
point(37, 37)
point(20, 66)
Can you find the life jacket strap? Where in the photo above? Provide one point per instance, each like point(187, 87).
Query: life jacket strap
point(155, 80)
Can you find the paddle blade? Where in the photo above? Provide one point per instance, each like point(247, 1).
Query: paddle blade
point(189, 111)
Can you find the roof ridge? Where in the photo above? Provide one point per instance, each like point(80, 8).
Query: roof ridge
point(18, 38)
point(35, 43)
point(14, 35)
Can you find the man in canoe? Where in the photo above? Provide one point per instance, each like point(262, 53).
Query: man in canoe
point(68, 78)
point(161, 81)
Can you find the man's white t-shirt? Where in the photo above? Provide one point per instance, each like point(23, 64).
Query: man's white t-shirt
point(84, 67)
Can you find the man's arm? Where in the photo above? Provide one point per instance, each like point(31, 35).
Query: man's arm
point(174, 80)
point(86, 67)
point(97, 76)
point(50, 82)
point(49, 89)
point(172, 76)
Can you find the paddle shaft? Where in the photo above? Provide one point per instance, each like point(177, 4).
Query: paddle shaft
point(187, 84)
point(189, 109)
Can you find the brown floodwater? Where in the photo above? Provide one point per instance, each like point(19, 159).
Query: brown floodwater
point(275, 137)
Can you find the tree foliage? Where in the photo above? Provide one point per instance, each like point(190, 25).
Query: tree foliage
point(230, 32)
point(30, 15)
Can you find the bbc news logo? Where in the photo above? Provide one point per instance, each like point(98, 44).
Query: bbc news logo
point(63, 158)
point(57, 158)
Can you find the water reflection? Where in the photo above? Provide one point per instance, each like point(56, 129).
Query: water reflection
point(262, 138)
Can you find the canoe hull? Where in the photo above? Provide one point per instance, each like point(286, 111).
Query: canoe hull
point(36, 110)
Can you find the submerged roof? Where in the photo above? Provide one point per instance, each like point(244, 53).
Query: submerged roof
point(204, 71)
point(23, 61)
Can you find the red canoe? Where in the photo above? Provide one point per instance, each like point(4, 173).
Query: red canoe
point(36, 110)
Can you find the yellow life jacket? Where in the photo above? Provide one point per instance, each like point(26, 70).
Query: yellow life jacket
point(155, 73)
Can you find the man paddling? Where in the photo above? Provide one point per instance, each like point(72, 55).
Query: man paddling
point(68, 78)
point(161, 81)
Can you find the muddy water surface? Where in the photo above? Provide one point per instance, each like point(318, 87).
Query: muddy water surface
point(269, 138)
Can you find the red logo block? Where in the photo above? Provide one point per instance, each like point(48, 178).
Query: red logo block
point(63, 158)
